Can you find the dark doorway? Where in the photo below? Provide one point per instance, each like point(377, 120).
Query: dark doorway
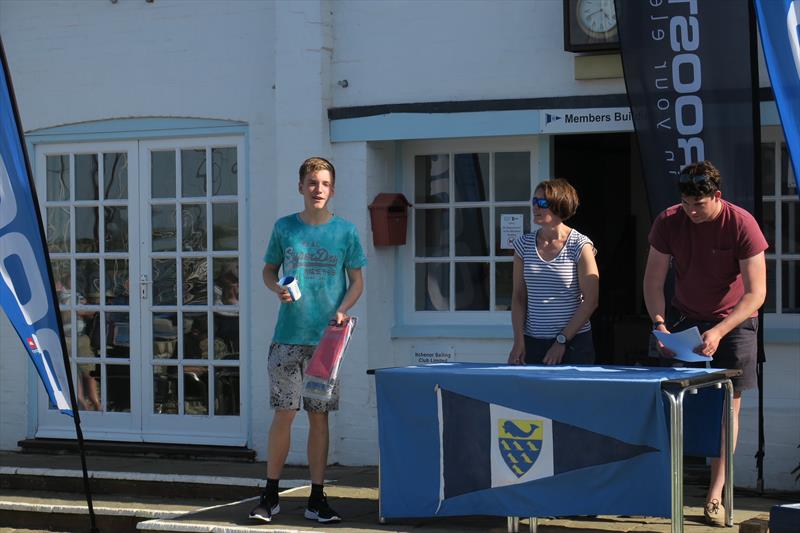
point(605, 170)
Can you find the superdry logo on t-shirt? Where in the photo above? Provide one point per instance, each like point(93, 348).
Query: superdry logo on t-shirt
point(315, 260)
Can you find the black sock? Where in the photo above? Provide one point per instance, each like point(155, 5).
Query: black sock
point(316, 492)
point(271, 490)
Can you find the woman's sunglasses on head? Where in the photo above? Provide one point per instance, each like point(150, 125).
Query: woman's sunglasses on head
point(541, 202)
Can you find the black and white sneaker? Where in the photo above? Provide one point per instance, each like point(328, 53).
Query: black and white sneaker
point(265, 509)
point(319, 510)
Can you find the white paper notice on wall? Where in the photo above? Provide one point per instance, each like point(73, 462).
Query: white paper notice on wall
point(510, 229)
point(423, 355)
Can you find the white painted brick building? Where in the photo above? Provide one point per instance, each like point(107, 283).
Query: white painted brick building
point(276, 82)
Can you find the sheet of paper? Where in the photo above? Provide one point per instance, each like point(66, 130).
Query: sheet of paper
point(510, 229)
point(683, 344)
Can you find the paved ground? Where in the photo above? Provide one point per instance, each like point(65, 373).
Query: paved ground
point(353, 491)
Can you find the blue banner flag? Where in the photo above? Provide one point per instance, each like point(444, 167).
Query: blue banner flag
point(26, 288)
point(487, 445)
point(779, 23)
point(689, 83)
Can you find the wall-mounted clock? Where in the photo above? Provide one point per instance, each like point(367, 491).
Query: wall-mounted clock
point(590, 25)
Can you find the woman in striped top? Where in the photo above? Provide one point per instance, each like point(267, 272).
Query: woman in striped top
point(556, 284)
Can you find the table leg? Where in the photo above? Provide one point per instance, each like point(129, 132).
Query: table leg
point(728, 490)
point(676, 456)
point(533, 524)
point(512, 524)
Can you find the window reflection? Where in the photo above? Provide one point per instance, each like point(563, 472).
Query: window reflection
point(193, 222)
point(116, 229)
point(432, 287)
point(86, 175)
point(195, 390)
point(193, 172)
point(87, 224)
point(512, 181)
point(57, 177)
point(472, 286)
point(165, 282)
point(165, 390)
point(165, 335)
point(224, 171)
point(432, 178)
point(226, 391)
point(119, 388)
point(58, 229)
point(432, 232)
point(503, 285)
point(195, 281)
point(162, 174)
point(472, 232)
point(195, 336)
point(89, 388)
point(115, 175)
point(471, 174)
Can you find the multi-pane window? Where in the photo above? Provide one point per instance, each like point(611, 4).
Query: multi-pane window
point(468, 207)
point(781, 215)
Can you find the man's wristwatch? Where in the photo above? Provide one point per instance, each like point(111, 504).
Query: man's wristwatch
point(561, 338)
point(658, 323)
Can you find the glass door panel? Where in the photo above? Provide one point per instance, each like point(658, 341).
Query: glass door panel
point(90, 192)
point(191, 307)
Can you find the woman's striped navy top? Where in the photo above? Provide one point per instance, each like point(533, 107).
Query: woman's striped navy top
point(554, 293)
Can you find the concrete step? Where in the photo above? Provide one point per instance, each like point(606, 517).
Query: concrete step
point(138, 449)
point(167, 485)
point(66, 511)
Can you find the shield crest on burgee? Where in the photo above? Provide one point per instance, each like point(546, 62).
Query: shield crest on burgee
point(520, 442)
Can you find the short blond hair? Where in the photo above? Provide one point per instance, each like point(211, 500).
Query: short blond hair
point(315, 164)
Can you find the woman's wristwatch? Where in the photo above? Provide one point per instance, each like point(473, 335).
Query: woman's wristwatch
point(658, 323)
point(561, 338)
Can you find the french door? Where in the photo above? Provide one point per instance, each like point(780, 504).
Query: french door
point(144, 239)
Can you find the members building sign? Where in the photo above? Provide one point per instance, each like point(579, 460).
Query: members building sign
point(604, 119)
point(687, 67)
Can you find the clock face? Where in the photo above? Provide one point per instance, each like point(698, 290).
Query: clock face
point(597, 18)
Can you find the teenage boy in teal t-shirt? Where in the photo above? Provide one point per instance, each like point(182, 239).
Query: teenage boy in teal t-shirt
point(323, 253)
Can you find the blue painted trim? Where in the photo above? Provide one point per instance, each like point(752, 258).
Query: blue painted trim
point(781, 336)
point(124, 129)
point(398, 278)
point(503, 332)
point(405, 126)
point(769, 114)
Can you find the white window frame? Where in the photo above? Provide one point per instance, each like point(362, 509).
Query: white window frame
point(407, 256)
point(781, 319)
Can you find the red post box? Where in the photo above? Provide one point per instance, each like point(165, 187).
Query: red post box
point(388, 213)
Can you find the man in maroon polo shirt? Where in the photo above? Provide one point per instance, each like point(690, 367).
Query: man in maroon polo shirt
point(717, 251)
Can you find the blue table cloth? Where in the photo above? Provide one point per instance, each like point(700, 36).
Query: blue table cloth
point(482, 439)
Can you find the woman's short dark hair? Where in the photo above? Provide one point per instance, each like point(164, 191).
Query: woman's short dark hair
point(562, 197)
point(699, 179)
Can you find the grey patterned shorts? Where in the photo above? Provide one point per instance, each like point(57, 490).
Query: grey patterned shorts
point(286, 363)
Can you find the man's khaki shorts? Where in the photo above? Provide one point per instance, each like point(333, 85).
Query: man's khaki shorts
point(286, 364)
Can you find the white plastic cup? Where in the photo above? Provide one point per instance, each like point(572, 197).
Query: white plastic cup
point(290, 284)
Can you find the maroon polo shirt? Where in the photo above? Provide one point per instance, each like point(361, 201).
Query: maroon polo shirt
point(705, 256)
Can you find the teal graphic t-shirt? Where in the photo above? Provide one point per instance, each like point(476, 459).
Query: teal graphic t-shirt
point(318, 257)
